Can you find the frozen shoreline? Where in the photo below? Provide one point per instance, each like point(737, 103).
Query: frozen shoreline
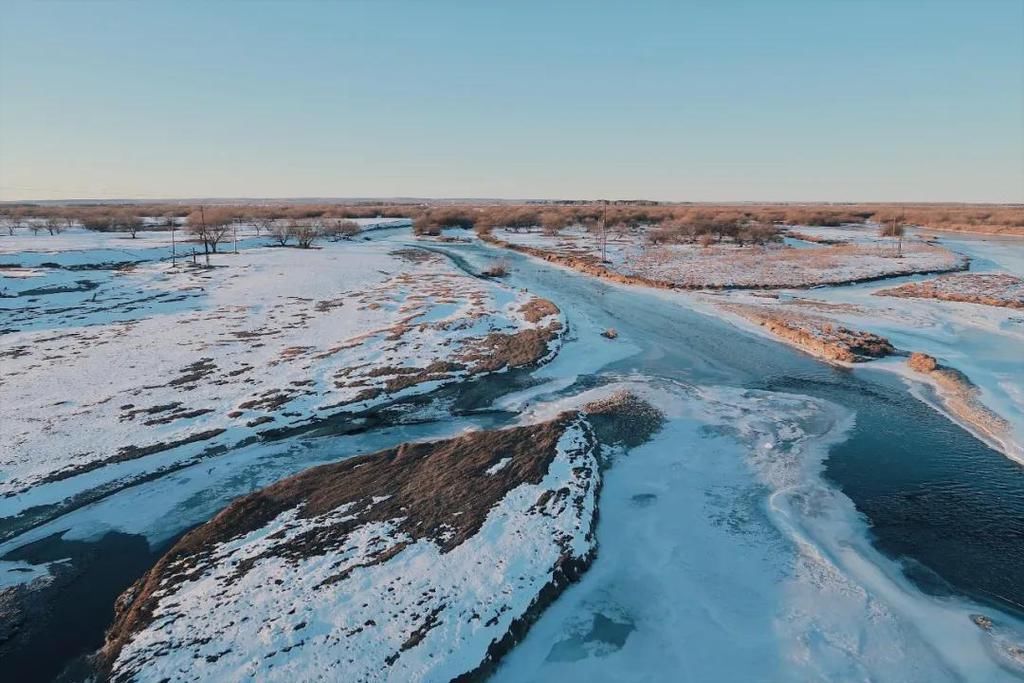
point(719, 542)
point(796, 606)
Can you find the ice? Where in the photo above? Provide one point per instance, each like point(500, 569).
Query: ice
point(721, 559)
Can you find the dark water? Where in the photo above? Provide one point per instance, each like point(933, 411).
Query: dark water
point(58, 625)
point(942, 502)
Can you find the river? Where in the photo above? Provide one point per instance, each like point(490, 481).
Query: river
point(944, 509)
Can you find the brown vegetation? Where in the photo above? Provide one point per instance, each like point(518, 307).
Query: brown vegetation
point(821, 336)
point(989, 289)
point(961, 396)
point(536, 309)
point(624, 418)
point(441, 491)
point(552, 216)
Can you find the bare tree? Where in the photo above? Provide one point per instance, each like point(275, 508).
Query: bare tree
point(210, 227)
point(282, 232)
point(894, 229)
point(264, 223)
point(132, 224)
point(20, 220)
point(54, 226)
point(306, 233)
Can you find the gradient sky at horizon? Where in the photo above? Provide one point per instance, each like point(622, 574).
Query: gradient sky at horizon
point(702, 101)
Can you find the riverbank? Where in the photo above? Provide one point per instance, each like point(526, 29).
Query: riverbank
point(689, 550)
point(833, 329)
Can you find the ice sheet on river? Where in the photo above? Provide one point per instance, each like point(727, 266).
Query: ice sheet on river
point(723, 555)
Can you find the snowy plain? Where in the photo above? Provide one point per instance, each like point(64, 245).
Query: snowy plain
point(722, 551)
point(158, 365)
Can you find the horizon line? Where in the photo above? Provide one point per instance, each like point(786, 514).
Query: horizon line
point(523, 200)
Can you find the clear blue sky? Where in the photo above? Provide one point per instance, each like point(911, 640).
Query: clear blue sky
point(731, 100)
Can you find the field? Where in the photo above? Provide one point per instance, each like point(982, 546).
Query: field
point(123, 364)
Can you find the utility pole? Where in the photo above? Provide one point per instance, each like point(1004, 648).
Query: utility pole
point(173, 249)
point(604, 232)
point(206, 236)
point(234, 233)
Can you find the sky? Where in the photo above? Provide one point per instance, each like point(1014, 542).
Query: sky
point(800, 100)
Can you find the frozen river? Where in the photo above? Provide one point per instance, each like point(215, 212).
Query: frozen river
point(793, 521)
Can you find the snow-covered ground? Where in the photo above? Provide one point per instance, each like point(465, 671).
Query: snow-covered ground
point(727, 265)
point(154, 366)
point(722, 553)
point(984, 342)
point(990, 289)
point(355, 592)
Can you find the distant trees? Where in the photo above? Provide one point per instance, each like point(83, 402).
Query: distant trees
point(100, 222)
point(7, 219)
point(130, 223)
point(708, 229)
point(433, 221)
point(551, 222)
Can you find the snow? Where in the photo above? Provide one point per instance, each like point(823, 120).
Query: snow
point(981, 341)
point(723, 559)
point(281, 336)
point(499, 466)
point(729, 265)
point(723, 553)
point(295, 626)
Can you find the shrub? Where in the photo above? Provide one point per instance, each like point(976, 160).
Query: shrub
point(499, 268)
point(433, 221)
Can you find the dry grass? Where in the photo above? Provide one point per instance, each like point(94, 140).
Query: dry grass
point(989, 289)
point(982, 218)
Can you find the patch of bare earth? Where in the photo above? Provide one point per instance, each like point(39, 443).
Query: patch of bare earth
point(989, 289)
point(820, 336)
